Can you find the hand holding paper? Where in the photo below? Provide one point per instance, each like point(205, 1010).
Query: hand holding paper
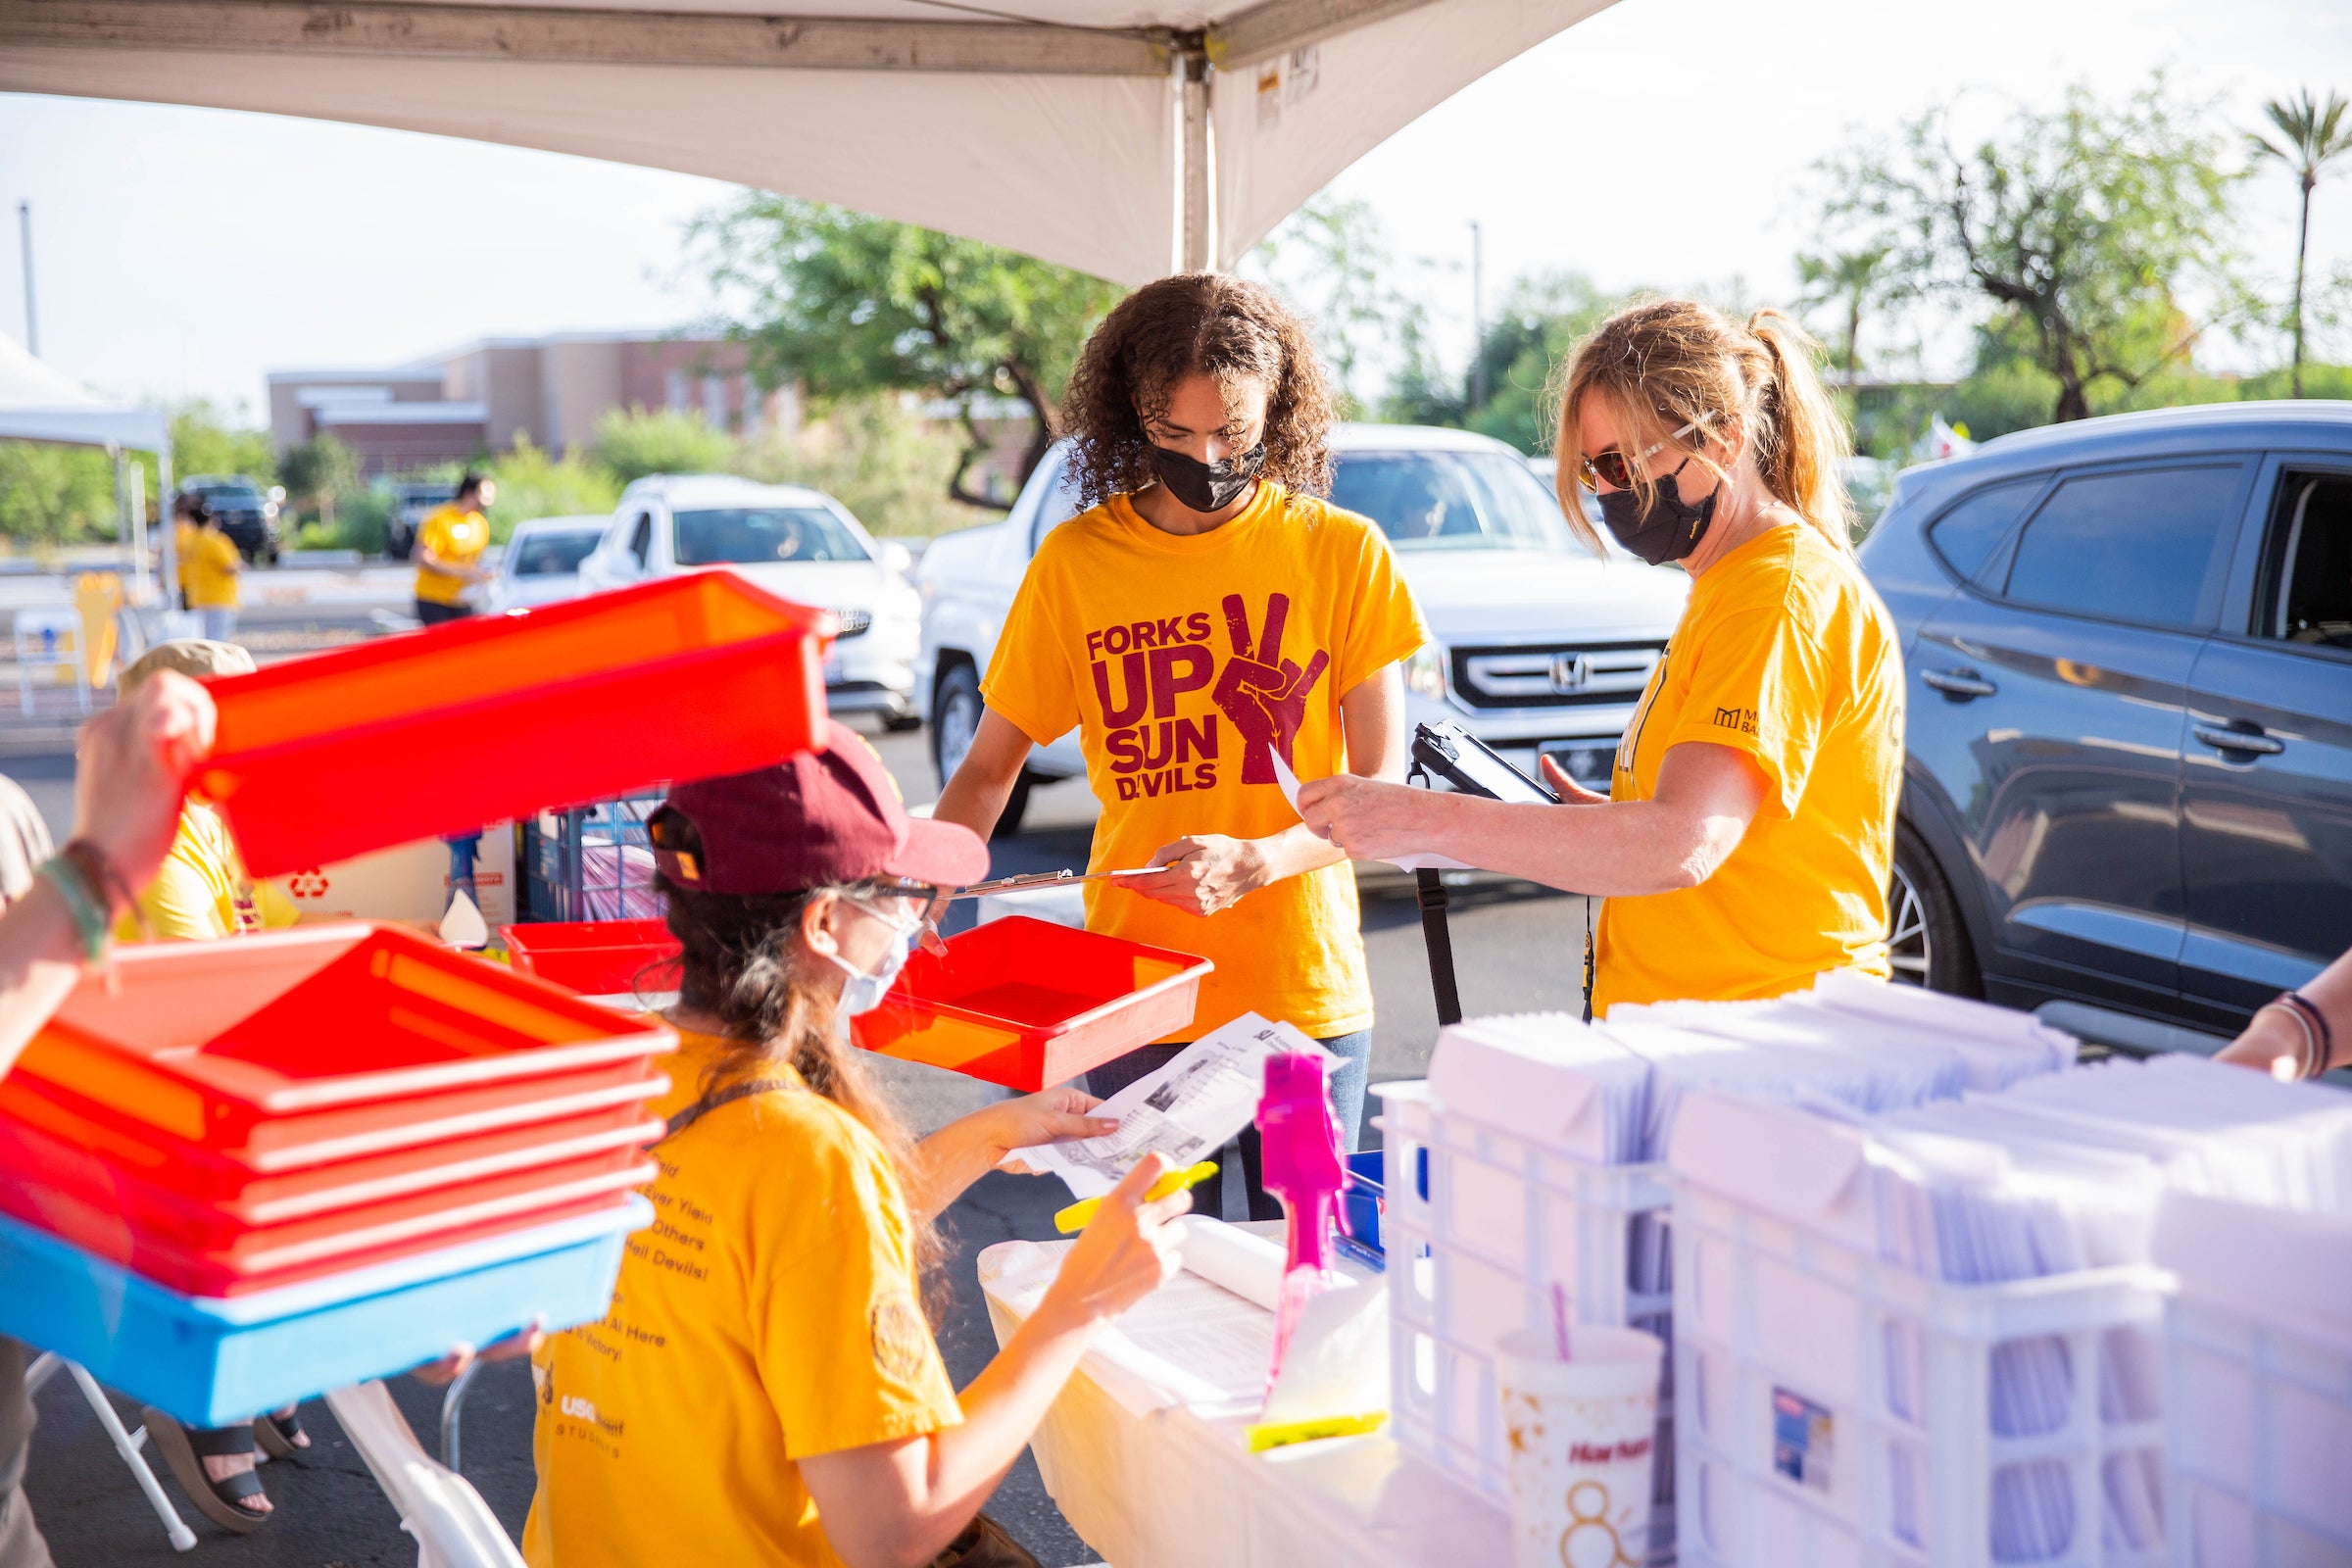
point(1369, 818)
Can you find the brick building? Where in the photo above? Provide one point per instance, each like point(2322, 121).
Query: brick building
point(553, 389)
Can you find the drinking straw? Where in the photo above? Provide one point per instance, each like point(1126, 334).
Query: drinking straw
point(1560, 1317)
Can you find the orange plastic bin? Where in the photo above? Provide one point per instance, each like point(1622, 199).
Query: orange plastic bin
point(1028, 1004)
point(218, 1044)
point(596, 957)
point(482, 720)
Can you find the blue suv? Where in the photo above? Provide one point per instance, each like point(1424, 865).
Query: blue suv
point(2128, 780)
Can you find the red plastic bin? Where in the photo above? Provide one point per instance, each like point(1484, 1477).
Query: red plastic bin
point(44, 1134)
point(227, 1045)
point(1029, 1004)
point(75, 1194)
point(317, 1249)
point(596, 957)
point(494, 717)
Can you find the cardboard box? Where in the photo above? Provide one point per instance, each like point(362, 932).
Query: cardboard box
point(410, 882)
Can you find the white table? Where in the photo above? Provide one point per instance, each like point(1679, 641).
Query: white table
point(1176, 1485)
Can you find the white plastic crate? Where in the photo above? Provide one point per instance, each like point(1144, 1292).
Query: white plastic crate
point(2258, 1353)
point(1502, 1221)
point(1836, 1410)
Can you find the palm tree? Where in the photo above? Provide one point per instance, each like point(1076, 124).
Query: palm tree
point(2312, 136)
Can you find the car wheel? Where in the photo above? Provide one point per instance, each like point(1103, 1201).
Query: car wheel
point(1926, 942)
point(901, 724)
point(955, 711)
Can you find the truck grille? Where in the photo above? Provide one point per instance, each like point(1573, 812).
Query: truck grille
point(1554, 675)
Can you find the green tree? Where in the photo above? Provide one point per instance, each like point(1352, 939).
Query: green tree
point(632, 443)
point(1332, 262)
point(206, 440)
point(319, 472)
point(1852, 282)
point(875, 456)
point(850, 305)
point(55, 495)
point(533, 482)
point(2311, 136)
point(1541, 321)
point(2088, 227)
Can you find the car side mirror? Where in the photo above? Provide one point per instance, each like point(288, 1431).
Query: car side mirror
point(897, 557)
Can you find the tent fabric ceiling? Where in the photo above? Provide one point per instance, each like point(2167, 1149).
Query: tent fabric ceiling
point(40, 404)
point(1049, 126)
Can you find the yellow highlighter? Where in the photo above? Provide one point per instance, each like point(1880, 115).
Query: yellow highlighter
point(1074, 1217)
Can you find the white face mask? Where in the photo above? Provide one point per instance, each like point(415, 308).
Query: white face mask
point(863, 993)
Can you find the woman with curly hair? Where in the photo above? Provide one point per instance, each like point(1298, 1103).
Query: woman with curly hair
point(1208, 614)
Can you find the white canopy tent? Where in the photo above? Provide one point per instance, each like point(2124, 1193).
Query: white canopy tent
point(1126, 138)
point(38, 403)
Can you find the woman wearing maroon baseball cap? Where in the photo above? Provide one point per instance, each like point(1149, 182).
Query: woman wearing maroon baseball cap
point(767, 1389)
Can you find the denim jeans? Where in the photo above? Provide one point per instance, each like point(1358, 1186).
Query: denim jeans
point(220, 622)
point(1253, 1201)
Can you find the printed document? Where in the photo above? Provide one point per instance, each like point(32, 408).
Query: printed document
point(1187, 1110)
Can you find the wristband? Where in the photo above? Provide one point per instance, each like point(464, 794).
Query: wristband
point(84, 903)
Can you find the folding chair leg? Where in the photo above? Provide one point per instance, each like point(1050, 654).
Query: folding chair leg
point(182, 1537)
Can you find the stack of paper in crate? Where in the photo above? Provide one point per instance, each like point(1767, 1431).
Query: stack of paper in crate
point(1952, 1301)
point(256, 1168)
point(1543, 1139)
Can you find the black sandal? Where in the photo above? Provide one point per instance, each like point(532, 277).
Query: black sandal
point(280, 1435)
point(185, 1450)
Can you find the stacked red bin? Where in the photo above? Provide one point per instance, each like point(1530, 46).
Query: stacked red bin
point(233, 1117)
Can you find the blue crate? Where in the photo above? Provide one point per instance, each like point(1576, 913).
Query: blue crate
point(1360, 1202)
point(211, 1362)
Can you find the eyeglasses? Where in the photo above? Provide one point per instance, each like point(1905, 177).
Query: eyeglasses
point(924, 902)
point(1611, 466)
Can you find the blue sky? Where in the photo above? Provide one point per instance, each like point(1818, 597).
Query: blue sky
point(184, 251)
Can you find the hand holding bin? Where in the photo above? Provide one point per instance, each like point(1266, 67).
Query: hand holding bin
point(268, 1165)
point(1581, 1438)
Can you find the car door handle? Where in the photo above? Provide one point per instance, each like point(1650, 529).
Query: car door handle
point(2238, 739)
point(1960, 683)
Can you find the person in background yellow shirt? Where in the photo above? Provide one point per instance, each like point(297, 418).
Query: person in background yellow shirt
point(1749, 833)
point(448, 553)
point(200, 893)
point(188, 513)
point(208, 569)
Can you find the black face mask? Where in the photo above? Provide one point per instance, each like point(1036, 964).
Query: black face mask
point(1207, 486)
point(1669, 531)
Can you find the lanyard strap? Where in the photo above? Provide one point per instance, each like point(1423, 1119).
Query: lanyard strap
point(721, 1097)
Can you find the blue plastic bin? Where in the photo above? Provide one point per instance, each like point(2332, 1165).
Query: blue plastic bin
point(211, 1362)
point(1360, 1200)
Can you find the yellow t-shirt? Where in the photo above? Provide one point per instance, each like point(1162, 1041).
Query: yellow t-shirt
point(770, 1314)
point(203, 891)
point(183, 546)
point(1185, 662)
point(209, 570)
point(1785, 653)
point(456, 535)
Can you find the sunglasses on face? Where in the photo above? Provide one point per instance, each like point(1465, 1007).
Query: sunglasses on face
point(1613, 468)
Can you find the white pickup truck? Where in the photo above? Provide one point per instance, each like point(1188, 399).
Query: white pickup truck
point(1542, 646)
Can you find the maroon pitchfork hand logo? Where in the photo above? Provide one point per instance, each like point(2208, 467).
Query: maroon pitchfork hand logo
point(1263, 693)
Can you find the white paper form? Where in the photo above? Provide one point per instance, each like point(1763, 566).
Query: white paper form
point(1404, 863)
point(1187, 1110)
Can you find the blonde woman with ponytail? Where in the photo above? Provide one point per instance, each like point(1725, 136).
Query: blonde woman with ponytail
point(1745, 841)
